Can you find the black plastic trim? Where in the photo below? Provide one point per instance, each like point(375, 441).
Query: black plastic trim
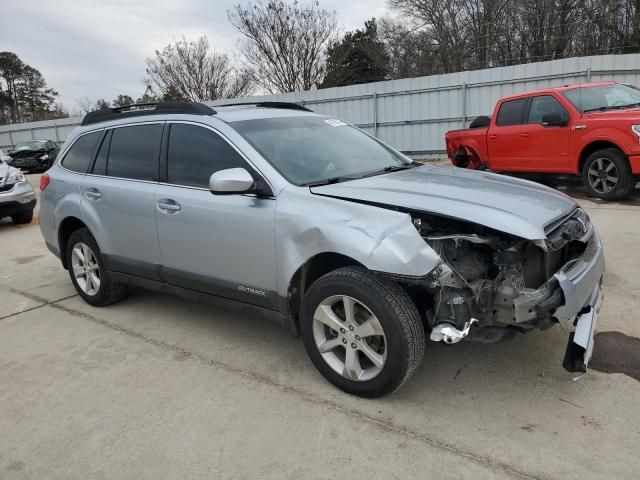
point(141, 109)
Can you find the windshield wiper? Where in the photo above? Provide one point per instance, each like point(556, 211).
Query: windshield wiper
point(329, 181)
point(613, 107)
point(391, 168)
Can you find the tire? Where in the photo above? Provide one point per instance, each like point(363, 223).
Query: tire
point(401, 345)
point(23, 217)
point(107, 291)
point(599, 170)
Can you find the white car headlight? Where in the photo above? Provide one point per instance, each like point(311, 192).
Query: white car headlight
point(46, 157)
point(14, 177)
point(636, 129)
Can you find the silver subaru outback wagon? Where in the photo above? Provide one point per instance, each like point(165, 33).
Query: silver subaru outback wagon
point(310, 221)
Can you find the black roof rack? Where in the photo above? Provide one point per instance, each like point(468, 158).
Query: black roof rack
point(287, 105)
point(138, 109)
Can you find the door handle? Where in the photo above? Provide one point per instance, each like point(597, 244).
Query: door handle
point(166, 205)
point(524, 134)
point(493, 136)
point(92, 194)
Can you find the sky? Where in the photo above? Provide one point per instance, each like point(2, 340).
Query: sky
point(97, 48)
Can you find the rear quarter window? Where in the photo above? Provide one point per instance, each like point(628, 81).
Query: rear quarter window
point(512, 112)
point(79, 155)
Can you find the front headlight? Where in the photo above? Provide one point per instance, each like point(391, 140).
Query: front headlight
point(636, 129)
point(46, 157)
point(14, 177)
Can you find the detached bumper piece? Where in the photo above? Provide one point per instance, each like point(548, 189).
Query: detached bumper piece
point(580, 345)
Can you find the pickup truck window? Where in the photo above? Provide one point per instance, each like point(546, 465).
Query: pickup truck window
point(512, 112)
point(544, 104)
point(603, 97)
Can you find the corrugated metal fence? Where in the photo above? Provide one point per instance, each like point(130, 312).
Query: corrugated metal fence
point(411, 114)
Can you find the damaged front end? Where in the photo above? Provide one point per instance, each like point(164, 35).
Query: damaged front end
point(492, 285)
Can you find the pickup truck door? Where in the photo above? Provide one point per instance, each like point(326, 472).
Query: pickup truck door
point(545, 148)
point(504, 139)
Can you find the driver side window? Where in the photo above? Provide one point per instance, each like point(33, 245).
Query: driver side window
point(195, 153)
point(543, 105)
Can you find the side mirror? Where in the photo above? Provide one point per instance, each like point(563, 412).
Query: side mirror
point(553, 119)
point(231, 180)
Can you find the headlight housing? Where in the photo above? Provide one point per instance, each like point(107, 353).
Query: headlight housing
point(636, 129)
point(14, 177)
point(46, 156)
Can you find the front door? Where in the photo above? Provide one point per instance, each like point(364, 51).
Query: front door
point(217, 244)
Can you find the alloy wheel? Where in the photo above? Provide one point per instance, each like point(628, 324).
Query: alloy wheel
point(350, 338)
point(603, 175)
point(86, 269)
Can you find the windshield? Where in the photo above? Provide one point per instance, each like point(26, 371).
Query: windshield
point(603, 97)
point(307, 150)
point(35, 145)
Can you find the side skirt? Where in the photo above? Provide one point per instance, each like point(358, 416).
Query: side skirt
point(284, 320)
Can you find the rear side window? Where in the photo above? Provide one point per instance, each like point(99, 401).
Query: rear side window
point(79, 155)
point(195, 153)
point(134, 151)
point(512, 112)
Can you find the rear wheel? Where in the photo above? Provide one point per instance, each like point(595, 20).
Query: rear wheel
point(606, 174)
point(88, 273)
point(363, 333)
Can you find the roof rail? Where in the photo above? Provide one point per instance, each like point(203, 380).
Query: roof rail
point(139, 109)
point(287, 105)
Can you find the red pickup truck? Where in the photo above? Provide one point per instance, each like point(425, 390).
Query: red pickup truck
point(592, 130)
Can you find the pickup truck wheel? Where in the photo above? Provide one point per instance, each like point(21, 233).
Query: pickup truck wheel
point(362, 332)
point(606, 174)
point(88, 273)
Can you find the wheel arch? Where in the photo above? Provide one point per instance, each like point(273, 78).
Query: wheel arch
point(65, 229)
point(594, 146)
point(311, 270)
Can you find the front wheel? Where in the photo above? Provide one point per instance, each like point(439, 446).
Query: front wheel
point(362, 332)
point(606, 175)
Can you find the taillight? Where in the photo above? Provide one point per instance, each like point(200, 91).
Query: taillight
point(44, 181)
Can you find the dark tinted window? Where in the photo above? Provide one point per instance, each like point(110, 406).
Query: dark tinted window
point(134, 152)
point(540, 106)
point(512, 112)
point(195, 153)
point(100, 165)
point(79, 156)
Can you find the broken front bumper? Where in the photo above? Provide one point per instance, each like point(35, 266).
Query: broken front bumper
point(581, 284)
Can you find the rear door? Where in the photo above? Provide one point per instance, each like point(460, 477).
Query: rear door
point(117, 198)
point(218, 244)
point(546, 148)
point(504, 139)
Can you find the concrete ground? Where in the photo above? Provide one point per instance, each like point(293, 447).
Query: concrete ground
point(157, 387)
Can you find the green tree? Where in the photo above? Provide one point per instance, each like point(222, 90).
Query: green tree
point(101, 103)
point(11, 68)
point(359, 57)
point(122, 101)
point(34, 98)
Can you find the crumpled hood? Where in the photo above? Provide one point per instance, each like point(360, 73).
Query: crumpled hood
point(507, 204)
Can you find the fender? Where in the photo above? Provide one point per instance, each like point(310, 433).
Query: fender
point(380, 239)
